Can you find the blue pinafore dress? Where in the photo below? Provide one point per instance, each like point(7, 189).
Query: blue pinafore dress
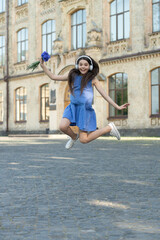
point(80, 111)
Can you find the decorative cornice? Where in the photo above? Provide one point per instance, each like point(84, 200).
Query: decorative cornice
point(71, 2)
point(48, 11)
point(93, 47)
point(26, 75)
point(130, 57)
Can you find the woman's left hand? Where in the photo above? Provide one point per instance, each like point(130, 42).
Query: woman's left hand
point(123, 106)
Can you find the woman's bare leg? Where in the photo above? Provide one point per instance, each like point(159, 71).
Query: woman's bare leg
point(65, 127)
point(85, 137)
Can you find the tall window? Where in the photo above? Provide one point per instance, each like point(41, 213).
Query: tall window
point(118, 85)
point(156, 15)
point(22, 44)
point(119, 20)
point(20, 2)
point(2, 50)
point(78, 29)
point(44, 102)
point(1, 106)
point(21, 104)
point(2, 6)
point(155, 91)
point(48, 36)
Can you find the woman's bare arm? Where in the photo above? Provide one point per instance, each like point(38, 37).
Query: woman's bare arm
point(52, 75)
point(100, 89)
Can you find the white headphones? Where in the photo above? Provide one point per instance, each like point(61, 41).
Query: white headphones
point(84, 56)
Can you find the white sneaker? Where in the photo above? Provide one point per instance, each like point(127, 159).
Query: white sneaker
point(71, 142)
point(114, 132)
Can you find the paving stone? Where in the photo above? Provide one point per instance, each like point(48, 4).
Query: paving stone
point(104, 190)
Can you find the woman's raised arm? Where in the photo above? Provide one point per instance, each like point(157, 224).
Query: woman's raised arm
point(52, 75)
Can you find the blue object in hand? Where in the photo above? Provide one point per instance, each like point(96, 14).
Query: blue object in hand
point(45, 56)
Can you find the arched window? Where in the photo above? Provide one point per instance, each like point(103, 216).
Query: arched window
point(48, 36)
point(156, 15)
point(78, 29)
point(22, 44)
point(118, 91)
point(2, 50)
point(119, 20)
point(1, 106)
point(21, 104)
point(21, 2)
point(2, 6)
point(155, 92)
point(44, 102)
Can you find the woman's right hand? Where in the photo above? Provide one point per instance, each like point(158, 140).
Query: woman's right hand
point(41, 62)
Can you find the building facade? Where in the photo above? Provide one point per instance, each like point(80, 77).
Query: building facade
point(123, 36)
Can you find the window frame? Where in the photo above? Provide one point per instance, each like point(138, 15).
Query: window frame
point(21, 2)
point(53, 25)
point(3, 6)
point(2, 49)
point(21, 102)
point(1, 107)
point(20, 43)
point(83, 23)
point(117, 15)
point(151, 85)
point(158, 3)
point(46, 98)
point(115, 90)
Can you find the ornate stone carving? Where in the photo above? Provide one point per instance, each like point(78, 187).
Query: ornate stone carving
point(119, 47)
point(124, 123)
point(94, 38)
point(154, 121)
point(154, 40)
point(19, 68)
point(2, 18)
point(22, 11)
point(58, 45)
point(45, 4)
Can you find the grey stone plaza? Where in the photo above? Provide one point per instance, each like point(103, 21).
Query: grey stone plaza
point(104, 190)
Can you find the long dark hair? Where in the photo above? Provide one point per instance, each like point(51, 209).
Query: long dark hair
point(87, 77)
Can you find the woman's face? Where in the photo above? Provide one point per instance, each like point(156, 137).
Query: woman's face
point(83, 66)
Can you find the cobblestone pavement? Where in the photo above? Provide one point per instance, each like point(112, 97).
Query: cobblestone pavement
point(105, 190)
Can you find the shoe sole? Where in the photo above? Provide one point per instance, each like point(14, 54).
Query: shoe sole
point(72, 143)
point(117, 132)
